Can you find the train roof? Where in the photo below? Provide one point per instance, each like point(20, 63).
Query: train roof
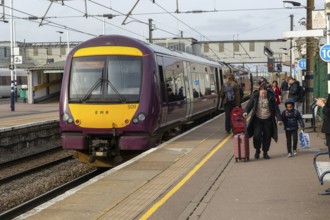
point(187, 56)
point(139, 43)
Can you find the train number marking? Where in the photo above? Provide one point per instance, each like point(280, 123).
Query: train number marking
point(131, 106)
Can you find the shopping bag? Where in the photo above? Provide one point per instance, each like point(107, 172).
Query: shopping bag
point(304, 140)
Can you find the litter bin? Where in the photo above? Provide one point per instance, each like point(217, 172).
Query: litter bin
point(22, 93)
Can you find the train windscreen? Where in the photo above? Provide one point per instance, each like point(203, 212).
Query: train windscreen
point(105, 79)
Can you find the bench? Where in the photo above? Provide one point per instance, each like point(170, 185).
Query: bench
point(322, 169)
point(312, 116)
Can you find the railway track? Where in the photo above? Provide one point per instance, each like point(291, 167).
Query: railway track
point(28, 205)
point(24, 166)
point(34, 169)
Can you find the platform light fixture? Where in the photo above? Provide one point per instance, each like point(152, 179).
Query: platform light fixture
point(67, 40)
point(293, 3)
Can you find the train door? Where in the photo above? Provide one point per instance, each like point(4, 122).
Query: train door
point(219, 82)
point(188, 87)
point(163, 91)
point(174, 79)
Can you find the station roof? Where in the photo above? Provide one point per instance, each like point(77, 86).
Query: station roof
point(50, 66)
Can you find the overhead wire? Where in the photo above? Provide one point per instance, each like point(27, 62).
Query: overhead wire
point(50, 23)
point(101, 20)
point(137, 20)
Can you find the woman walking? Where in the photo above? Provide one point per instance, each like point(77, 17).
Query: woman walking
point(262, 126)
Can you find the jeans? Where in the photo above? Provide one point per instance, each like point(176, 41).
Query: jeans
point(228, 107)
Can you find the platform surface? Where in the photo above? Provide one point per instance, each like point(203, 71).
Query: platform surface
point(193, 176)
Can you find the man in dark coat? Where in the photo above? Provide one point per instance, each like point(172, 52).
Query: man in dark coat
point(294, 91)
point(284, 89)
point(262, 126)
point(325, 105)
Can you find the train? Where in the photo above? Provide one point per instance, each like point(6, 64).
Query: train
point(121, 95)
point(5, 81)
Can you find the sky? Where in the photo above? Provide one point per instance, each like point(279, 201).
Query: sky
point(220, 20)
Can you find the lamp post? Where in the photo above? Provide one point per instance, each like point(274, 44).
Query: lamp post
point(109, 16)
point(309, 74)
point(291, 49)
point(12, 64)
point(67, 41)
point(327, 12)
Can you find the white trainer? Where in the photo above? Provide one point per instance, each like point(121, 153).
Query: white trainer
point(295, 153)
point(290, 155)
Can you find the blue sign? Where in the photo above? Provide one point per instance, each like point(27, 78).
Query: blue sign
point(196, 82)
point(294, 71)
point(302, 64)
point(325, 52)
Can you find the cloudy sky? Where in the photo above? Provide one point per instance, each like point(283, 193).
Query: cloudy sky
point(220, 20)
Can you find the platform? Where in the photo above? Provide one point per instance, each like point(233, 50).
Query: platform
point(27, 113)
point(194, 176)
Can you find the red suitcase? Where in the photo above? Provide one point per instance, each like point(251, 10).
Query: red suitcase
point(237, 120)
point(241, 147)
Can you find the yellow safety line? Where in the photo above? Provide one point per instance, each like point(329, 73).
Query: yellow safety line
point(155, 207)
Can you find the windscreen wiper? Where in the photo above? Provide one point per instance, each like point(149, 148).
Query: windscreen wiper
point(121, 98)
point(95, 86)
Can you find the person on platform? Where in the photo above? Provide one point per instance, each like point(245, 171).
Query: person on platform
point(277, 92)
point(291, 117)
point(262, 125)
point(230, 94)
point(284, 90)
point(325, 105)
point(294, 86)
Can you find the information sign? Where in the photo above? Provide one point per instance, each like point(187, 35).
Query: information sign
point(325, 52)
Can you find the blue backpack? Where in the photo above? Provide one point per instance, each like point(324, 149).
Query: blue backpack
point(229, 93)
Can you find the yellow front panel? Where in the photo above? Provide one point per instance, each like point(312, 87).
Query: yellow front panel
point(107, 50)
point(102, 116)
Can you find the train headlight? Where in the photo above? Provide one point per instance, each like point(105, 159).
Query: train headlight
point(67, 118)
point(135, 120)
point(141, 117)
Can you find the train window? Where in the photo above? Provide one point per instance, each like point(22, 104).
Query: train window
point(112, 78)
point(212, 83)
point(125, 74)
point(174, 78)
point(85, 74)
point(162, 83)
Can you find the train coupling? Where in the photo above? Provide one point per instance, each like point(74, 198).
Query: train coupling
point(102, 148)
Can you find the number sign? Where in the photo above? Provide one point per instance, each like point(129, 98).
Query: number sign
point(325, 52)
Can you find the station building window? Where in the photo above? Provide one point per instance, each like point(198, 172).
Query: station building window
point(221, 47)
point(62, 51)
point(252, 46)
point(206, 48)
point(267, 44)
point(49, 51)
point(35, 51)
point(236, 47)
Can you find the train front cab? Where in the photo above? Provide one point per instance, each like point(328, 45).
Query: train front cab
point(102, 113)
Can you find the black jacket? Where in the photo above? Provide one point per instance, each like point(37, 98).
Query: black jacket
point(284, 86)
point(326, 118)
point(294, 91)
point(291, 119)
point(274, 110)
